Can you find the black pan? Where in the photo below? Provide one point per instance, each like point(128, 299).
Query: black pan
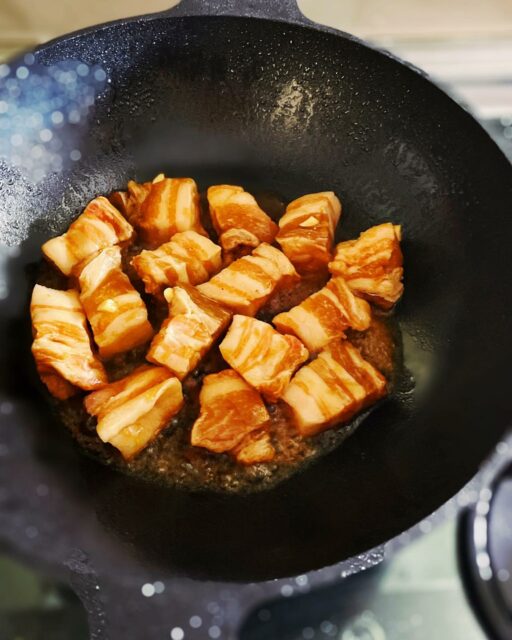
point(252, 92)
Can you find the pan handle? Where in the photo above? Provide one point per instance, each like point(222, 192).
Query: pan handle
point(284, 10)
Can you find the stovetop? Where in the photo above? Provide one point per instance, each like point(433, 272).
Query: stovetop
point(454, 582)
point(417, 595)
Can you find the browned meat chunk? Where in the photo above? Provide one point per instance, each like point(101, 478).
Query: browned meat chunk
point(132, 411)
point(115, 310)
point(238, 220)
point(332, 388)
point(306, 230)
point(246, 284)
point(188, 258)
point(161, 208)
point(265, 358)
point(325, 315)
point(99, 226)
point(130, 201)
point(372, 264)
point(194, 323)
point(254, 448)
point(62, 345)
point(230, 410)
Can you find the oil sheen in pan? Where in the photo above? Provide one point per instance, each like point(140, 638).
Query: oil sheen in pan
point(170, 459)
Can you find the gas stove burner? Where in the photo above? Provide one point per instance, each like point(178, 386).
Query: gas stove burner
point(486, 554)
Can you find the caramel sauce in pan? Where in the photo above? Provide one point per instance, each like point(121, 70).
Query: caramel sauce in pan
point(170, 459)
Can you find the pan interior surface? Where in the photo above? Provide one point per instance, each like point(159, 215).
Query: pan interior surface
point(292, 110)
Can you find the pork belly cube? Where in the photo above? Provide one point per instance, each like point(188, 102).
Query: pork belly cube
point(188, 258)
point(62, 344)
point(115, 393)
point(115, 310)
point(230, 410)
point(194, 324)
point(129, 202)
point(121, 201)
point(240, 223)
point(306, 230)
point(164, 207)
point(255, 448)
point(99, 226)
point(261, 355)
point(372, 265)
point(325, 315)
point(275, 263)
point(342, 353)
point(246, 284)
point(132, 411)
point(332, 388)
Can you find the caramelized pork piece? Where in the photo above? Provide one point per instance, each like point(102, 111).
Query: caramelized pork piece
point(255, 447)
point(332, 388)
point(137, 193)
point(230, 410)
point(136, 382)
point(62, 345)
point(194, 323)
point(130, 201)
point(325, 315)
point(265, 358)
point(132, 411)
point(238, 220)
point(344, 354)
point(99, 226)
point(115, 310)
point(164, 207)
point(246, 284)
point(121, 201)
point(372, 264)
point(188, 258)
point(306, 230)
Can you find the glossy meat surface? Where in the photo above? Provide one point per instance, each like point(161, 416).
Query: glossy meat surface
point(254, 448)
point(188, 258)
point(240, 223)
point(372, 265)
point(99, 226)
point(133, 410)
point(230, 410)
point(130, 201)
point(194, 323)
point(115, 310)
point(332, 388)
point(246, 284)
point(306, 230)
point(325, 315)
point(261, 355)
point(161, 208)
point(62, 344)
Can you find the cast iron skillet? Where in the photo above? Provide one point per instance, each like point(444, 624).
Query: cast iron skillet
point(252, 92)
